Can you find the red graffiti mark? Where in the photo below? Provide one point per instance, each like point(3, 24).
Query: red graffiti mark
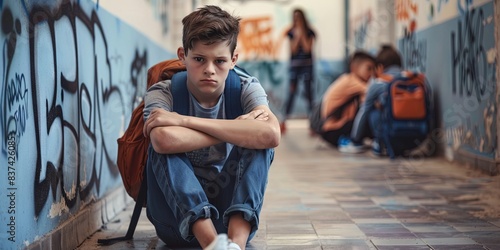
point(255, 39)
point(412, 27)
point(405, 9)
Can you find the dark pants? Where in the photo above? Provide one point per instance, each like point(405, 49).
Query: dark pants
point(333, 136)
point(306, 73)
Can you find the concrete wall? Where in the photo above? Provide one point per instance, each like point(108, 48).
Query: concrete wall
point(453, 43)
point(71, 75)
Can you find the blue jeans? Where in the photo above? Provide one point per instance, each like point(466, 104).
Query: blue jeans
point(296, 72)
point(177, 197)
point(374, 121)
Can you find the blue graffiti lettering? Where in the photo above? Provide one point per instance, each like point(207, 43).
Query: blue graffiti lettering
point(414, 52)
point(463, 8)
point(469, 61)
point(360, 34)
point(16, 90)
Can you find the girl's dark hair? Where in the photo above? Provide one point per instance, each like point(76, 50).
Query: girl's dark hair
point(210, 24)
point(388, 56)
point(302, 17)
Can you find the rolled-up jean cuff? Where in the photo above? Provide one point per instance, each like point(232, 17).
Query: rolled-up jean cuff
point(204, 210)
point(249, 215)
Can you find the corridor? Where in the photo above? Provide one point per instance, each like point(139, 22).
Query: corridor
point(318, 198)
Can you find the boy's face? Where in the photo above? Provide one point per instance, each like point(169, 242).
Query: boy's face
point(207, 67)
point(364, 69)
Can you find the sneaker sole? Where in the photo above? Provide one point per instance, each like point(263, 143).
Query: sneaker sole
point(351, 151)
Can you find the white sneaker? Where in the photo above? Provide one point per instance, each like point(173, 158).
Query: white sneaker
point(233, 246)
point(220, 243)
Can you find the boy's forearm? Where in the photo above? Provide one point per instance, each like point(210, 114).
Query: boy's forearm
point(175, 139)
point(254, 134)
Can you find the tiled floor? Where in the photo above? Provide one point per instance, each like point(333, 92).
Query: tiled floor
point(318, 198)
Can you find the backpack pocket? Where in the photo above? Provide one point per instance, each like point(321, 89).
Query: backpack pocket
point(408, 100)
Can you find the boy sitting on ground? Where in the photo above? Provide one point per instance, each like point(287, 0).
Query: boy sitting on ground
point(207, 174)
point(343, 97)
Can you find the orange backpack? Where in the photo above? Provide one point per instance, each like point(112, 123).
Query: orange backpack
point(408, 97)
point(133, 147)
point(131, 164)
point(406, 113)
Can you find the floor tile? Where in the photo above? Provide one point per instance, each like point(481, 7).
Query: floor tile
point(458, 247)
point(449, 241)
point(403, 247)
point(398, 242)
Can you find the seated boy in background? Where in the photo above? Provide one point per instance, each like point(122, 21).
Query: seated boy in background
point(388, 62)
point(342, 99)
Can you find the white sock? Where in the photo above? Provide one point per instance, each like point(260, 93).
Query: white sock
point(233, 246)
point(220, 243)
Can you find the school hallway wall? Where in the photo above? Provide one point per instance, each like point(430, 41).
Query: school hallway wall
point(455, 43)
point(71, 75)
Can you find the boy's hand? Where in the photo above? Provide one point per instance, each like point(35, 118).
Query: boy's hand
point(161, 118)
point(258, 114)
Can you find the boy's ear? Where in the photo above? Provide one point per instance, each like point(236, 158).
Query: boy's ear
point(352, 66)
point(181, 54)
point(234, 59)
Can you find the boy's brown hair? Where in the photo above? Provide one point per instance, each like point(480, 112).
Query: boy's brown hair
point(359, 56)
point(388, 56)
point(210, 24)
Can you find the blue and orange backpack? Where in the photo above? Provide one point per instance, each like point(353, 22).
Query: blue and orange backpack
point(406, 113)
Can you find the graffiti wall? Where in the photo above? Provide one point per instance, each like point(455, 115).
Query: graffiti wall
point(264, 51)
point(371, 23)
point(71, 75)
point(453, 42)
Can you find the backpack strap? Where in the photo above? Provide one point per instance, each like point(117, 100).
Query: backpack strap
point(232, 93)
point(180, 93)
point(386, 114)
point(141, 199)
